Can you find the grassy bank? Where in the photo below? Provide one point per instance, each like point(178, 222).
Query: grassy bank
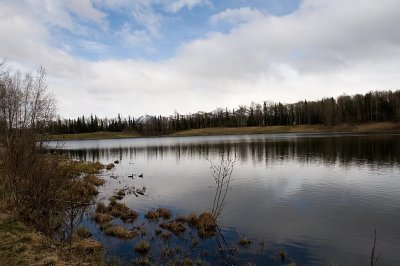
point(21, 243)
point(356, 128)
point(96, 135)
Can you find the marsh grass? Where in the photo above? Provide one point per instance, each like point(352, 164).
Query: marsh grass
point(142, 247)
point(102, 218)
point(174, 227)
point(120, 210)
point(155, 215)
point(101, 207)
point(119, 232)
point(192, 220)
point(94, 180)
point(21, 245)
point(206, 225)
point(165, 235)
point(244, 242)
point(110, 166)
point(83, 232)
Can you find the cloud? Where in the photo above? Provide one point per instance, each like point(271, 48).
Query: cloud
point(144, 15)
point(177, 5)
point(234, 16)
point(323, 49)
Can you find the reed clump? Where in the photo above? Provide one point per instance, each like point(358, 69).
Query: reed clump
point(192, 220)
point(94, 180)
point(102, 218)
point(110, 166)
point(245, 242)
point(119, 231)
point(155, 215)
point(165, 235)
point(142, 247)
point(206, 225)
point(83, 232)
point(174, 227)
point(120, 210)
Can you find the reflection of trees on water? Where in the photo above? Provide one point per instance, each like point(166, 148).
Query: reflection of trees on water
point(368, 150)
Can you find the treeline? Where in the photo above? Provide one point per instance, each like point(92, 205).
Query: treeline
point(370, 107)
point(91, 124)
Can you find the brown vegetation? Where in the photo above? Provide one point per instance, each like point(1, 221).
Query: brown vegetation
point(174, 227)
point(96, 135)
point(102, 218)
point(110, 166)
point(245, 242)
point(120, 210)
point(206, 225)
point(119, 231)
point(155, 215)
point(319, 128)
point(94, 180)
point(142, 247)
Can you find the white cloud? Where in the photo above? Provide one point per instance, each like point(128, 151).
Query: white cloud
point(234, 16)
point(84, 9)
point(144, 15)
point(323, 49)
point(177, 5)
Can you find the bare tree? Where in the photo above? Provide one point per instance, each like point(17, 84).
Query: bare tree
point(31, 180)
point(222, 173)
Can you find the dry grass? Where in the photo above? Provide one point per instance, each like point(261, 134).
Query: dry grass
point(164, 213)
point(83, 232)
point(119, 231)
point(120, 210)
point(192, 220)
point(102, 218)
point(94, 180)
point(155, 215)
point(20, 245)
point(87, 244)
point(152, 215)
point(165, 235)
point(142, 247)
point(245, 242)
point(206, 225)
point(364, 127)
point(80, 167)
point(110, 166)
point(101, 207)
point(174, 227)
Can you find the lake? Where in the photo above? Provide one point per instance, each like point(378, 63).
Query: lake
point(318, 197)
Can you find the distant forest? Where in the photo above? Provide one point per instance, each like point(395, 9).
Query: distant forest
point(371, 107)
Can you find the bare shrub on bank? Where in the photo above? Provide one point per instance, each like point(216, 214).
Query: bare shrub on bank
point(32, 180)
point(222, 173)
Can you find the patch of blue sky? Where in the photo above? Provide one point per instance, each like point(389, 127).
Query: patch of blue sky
point(175, 29)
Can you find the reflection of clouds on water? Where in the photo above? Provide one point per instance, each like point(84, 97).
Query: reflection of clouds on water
point(325, 192)
point(346, 150)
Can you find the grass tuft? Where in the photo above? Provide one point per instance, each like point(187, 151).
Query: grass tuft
point(102, 218)
point(83, 232)
point(94, 180)
point(110, 166)
point(206, 225)
point(119, 231)
point(174, 227)
point(142, 247)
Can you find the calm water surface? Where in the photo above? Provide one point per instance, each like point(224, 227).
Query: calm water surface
point(317, 196)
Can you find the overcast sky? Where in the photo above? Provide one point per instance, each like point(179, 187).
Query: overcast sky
point(137, 57)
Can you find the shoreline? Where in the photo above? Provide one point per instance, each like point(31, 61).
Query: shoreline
point(378, 127)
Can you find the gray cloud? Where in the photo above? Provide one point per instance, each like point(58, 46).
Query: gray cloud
point(323, 49)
